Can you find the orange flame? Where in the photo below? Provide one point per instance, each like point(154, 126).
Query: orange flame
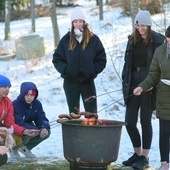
point(92, 121)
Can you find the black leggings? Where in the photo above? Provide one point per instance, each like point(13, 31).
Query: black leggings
point(73, 91)
point(136, 103)
point(164, 135)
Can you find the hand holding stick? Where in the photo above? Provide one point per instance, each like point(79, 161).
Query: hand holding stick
point(137, 91)
point(31, 132)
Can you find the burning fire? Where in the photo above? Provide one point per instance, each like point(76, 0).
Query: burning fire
point(90, 118)
point(92, 121)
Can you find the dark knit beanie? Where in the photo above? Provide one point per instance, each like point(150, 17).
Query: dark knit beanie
point(4, 81)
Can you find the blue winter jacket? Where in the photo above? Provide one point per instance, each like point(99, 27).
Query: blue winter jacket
point(30, 116)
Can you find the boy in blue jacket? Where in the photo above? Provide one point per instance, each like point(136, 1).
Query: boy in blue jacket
point(29, 113)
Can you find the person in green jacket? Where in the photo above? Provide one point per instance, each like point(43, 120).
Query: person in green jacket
point(159, 72)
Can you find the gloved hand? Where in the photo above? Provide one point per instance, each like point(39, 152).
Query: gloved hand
point(43, 133)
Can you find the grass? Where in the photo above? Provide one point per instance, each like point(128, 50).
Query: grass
point(37, 164)
point(50, 164)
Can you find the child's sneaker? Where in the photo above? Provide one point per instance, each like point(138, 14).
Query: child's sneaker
point(14, 154)
point(26, 152)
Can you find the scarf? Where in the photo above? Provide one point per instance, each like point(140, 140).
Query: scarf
point(79, 34)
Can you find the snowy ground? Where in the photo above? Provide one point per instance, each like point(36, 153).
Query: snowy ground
point(113, 32)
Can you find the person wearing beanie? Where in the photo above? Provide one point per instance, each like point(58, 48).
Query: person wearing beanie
point(140, 48)
point(143, 18)
point(4, 81)
point(159, 73)
point(29, 113)
point(78, 13)
point(79, 58)
point(8, 121)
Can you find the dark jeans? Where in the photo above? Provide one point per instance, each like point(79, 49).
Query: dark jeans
point(3, 159)
point(73, 91)
point(30, 143)
point(136, 103)
point(164, 135)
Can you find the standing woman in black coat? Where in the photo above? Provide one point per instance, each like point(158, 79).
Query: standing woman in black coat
point(160, 72)
point(138, 56)
point(79, 58)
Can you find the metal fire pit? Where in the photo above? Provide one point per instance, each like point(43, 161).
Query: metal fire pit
point(90, 147)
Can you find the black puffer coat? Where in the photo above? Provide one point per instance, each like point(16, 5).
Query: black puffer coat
point(80, 65)
point(156, 40)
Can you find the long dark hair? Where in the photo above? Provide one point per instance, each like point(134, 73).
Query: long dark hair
point(136, 36)
point(167, 32)
point(87, 34)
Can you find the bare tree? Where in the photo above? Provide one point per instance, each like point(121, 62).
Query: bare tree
point(134, 10)
point(101, 9)
point(54, 23)
point(33, 15)
point(7, 19)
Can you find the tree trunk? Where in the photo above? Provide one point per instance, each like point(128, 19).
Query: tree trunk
point(134, 10)
point(33, 15)
point(7, 19)
point(101, 10)
point(54, 23)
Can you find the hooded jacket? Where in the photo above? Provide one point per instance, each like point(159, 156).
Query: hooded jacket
point(156, 40)
point(80, 65)
point(160, 69)
point(30, 116)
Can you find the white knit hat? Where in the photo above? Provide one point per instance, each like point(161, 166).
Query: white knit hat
point(78, 13)
point(143, 18)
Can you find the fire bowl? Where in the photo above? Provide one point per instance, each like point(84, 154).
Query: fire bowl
point(91, 146)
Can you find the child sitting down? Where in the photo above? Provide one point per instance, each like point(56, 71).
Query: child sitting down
point(29, 113)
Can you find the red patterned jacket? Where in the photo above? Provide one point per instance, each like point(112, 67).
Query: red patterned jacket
point(7, 116)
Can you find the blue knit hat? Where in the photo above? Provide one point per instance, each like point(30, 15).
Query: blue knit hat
point(4, 81)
